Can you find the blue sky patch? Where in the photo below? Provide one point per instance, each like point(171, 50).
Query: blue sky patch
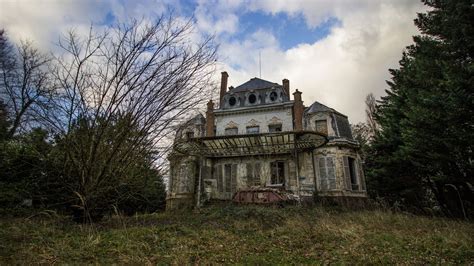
point(290, 31)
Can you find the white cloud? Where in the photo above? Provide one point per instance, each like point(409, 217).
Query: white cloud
point(341, 69)
point(338, 70)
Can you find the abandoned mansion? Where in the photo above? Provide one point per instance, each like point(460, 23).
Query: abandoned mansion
point(263, 138)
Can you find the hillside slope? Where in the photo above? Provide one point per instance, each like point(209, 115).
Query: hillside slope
point(230, 234)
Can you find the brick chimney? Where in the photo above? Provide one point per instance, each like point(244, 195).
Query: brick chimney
point(286, 87)
point(223, 87)
point(298, 109)
point(210, 119)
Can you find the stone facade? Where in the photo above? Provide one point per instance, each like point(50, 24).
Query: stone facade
point(259, 108)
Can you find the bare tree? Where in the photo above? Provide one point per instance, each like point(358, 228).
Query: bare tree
point(120, 91)
point(25, 83)
point(371, 107)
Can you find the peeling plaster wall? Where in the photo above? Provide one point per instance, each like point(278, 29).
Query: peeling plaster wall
point(242, 176)
point(309, 122)
point(262, 118)
point(338, 152)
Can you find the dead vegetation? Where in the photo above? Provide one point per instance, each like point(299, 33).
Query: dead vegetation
point(230, 234)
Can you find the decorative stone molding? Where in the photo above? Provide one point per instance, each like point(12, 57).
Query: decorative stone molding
point(274, 121)
point(232, 124)
point(252, 123)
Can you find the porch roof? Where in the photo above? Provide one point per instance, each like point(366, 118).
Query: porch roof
point(252, 144)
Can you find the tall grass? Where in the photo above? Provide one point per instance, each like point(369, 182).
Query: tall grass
point(233, 234)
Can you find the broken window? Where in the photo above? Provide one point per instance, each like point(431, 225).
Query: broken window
point(274, 128)
point(350, 173)
point(322, 126)
point(253, 130)
point(277, 172)
point(253, 174)
point(231, 131)
point(327, 177)
point(230, 176)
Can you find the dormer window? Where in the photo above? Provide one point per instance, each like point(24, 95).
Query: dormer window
point(232, 101)
point(252, 99)
point(322, 126)
point(273, 96)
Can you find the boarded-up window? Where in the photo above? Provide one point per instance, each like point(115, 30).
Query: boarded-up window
point(322, 126)
point(327, 176)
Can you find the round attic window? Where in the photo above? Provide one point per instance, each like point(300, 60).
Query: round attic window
point(252, 98)
point(273, 96)
point(232, 101)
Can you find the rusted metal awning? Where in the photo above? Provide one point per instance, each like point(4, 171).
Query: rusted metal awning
point(252, 144)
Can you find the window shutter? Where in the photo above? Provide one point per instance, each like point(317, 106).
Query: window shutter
point(331, 173)
point(322, 174)
point(347, 173)
point(291, 166)
point(249, 168)
point(234, 178)
point(362, 177)
point(218, 175)
point(227, 177)
point(257, 170)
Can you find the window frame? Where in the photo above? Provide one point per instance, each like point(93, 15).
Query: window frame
point(325, 123)
point(249, 127)
point(234, 100)
point(279, 167)
point(351, 173)
point(270, 127)
point(326, 173)
point(226, 131)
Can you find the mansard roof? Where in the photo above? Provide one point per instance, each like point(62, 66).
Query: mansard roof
point(340, 123)
point(319, 107)
point(255, 84)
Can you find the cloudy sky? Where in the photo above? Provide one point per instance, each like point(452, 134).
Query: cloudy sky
point(334, 51)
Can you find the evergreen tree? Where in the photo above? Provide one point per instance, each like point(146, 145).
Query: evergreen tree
point(427, 117)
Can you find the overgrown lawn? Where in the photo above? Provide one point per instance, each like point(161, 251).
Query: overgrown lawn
point(233, 234)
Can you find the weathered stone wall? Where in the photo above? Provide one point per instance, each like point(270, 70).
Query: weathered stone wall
point(183, 175)
point(338, 152)
point(242, 176)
